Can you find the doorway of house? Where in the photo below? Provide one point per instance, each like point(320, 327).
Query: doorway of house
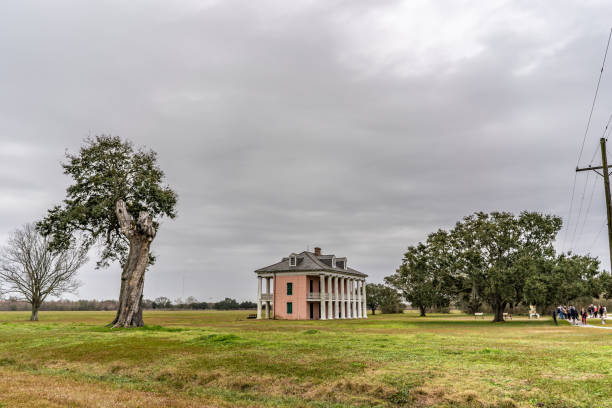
point(311, 311)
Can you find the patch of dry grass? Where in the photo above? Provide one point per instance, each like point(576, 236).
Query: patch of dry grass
point(20, 389)
point(223, 359)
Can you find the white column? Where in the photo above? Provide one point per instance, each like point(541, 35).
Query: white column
point(337, 301)
point(358, 302)
point(271, 292)
point(353, 299)
point(322, 293)
point(358, 299)
point(267, 302)
point(342, 304)
point(259, 297)
point(349, 299)
point(330, 302)
point(361, 299)
point(365, 301)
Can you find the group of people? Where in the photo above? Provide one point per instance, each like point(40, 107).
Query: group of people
point(572, 314)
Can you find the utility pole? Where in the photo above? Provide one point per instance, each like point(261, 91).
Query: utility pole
point(606, 176)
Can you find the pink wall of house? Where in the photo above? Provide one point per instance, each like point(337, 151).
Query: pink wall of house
point(298, 298)
point(301, 287)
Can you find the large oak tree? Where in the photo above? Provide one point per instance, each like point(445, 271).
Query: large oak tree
point(501, 248)
point(116, 200)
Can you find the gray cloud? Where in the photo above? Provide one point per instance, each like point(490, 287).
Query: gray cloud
point(356, 126)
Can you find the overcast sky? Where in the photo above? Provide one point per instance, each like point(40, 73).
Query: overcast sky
point(357, 126)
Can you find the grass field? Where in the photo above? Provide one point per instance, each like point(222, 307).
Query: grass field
point(188, 359)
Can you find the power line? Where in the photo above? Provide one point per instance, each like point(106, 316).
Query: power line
point(606, 179)
point(586, 183)
point(597, 149)
point(596, 237)
point(586, 131)
point(569, 216)
point(586, 216)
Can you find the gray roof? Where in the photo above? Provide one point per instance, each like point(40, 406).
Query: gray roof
point(309, 262)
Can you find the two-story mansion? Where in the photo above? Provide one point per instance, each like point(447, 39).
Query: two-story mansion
point(312, 286)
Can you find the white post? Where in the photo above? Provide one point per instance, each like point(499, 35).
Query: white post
point(259, 297)
point(322, 290)
point(342, 305)
point(337, 301)
point(267, 301)
point(365, 301)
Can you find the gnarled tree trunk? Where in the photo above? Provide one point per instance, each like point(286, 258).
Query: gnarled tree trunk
point(499, 308)
point(422, 311)
point(140, 234)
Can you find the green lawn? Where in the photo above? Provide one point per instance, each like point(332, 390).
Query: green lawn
point(189, 359)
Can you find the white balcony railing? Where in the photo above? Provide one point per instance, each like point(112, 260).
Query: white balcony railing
point(314, 296)
point(267, 297)
point(325, 296)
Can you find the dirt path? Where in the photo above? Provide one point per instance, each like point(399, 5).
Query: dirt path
point(596, 327)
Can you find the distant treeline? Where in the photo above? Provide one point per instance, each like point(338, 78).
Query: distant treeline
point(14, 304)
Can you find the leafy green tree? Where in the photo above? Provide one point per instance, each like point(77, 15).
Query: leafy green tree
point(605, 284)
point(227, 304)
point(467, 270)
point(390, 301)
point(562, 280)
point(116, 200)
point(424, 278)
point(503, 248)
point(247, 305)
point(375, 296)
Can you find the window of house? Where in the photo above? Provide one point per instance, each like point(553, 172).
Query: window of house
point(311, 286)
point(289, 307)
point(293, 260)
point(289, 288)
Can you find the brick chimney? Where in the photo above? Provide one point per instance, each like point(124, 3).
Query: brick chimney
point(317, 251)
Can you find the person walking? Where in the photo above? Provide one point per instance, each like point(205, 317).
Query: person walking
point(603, 313)
point(583, 315)
point(554, 316)
point(574, 315)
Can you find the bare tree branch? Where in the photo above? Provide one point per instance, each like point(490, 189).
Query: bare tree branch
point(30, 269)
